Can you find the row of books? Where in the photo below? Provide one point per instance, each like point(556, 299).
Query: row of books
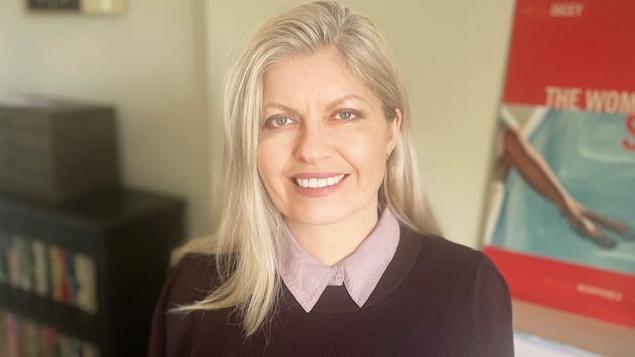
point(62, 275)
point(25, 338)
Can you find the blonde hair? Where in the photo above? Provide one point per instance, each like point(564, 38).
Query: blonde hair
point(250, 224)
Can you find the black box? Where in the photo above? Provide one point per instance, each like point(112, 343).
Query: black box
point(53, 150)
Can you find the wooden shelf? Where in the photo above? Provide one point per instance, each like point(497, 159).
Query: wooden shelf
point(583, 332)
point(67, 319)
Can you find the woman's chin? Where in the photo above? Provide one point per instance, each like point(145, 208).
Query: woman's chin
point(318, 216)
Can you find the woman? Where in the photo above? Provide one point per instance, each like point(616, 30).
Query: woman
point(326, 246)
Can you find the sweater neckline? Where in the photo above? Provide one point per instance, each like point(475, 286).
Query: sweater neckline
point(336, 299)
point(307, 277)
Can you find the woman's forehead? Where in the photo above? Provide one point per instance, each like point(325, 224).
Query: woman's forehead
point(322, 76)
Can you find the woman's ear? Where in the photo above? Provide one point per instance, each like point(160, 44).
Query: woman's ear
point(394, 126)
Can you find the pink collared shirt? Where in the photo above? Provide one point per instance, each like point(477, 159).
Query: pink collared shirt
point(306, 277)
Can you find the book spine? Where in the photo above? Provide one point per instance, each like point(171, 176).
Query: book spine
point(39, 267)
point(12, 259)
point(86, 283)
point(56, 273)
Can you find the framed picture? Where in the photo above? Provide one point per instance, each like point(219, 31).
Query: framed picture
point(77, 6)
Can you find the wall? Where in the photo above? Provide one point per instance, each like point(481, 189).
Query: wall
point(149, 62)
point(161, 61)
point(453, 56)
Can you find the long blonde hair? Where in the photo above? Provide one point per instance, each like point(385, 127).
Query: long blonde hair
point(250, 224)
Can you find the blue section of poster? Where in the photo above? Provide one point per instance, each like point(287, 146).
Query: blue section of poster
point(584, 151)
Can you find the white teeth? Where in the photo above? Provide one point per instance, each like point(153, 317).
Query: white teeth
point(319, 182)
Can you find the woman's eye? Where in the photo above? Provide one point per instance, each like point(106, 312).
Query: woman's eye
point(278, 121)
point(347, 115)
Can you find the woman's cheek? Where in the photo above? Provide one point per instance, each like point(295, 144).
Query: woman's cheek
point(368, 157)
point(266, 164)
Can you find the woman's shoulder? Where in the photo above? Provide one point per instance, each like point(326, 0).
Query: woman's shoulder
point(468, 287)
point(193, 271)
point(194, 265)
point(191, 278)
point(445, 261)
point(466, 290)
point(437, 248)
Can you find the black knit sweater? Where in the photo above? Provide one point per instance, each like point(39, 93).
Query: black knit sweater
point(436, 298)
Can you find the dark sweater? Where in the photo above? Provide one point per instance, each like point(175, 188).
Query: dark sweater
point(436, 298)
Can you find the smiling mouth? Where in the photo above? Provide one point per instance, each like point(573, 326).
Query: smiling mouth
point(321, 182)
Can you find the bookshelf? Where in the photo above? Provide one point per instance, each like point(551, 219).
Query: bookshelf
point(81, 278)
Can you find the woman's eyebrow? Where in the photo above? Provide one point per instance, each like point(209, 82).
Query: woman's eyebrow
point(330, 106)
point(281, 107)
point(339, 100)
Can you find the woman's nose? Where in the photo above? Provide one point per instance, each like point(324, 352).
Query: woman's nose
point(313, 143)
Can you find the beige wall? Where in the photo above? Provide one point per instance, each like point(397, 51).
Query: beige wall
point(161, 63)
point(452, 54)
point(149, 62)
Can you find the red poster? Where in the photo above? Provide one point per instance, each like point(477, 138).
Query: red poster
point(561, 200)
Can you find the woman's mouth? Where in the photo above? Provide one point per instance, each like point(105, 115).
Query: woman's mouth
point(318, 186)
point(319, 182)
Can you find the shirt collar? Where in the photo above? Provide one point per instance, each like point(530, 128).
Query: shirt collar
point(306, 277)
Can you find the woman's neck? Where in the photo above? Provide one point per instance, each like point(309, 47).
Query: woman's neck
point(330, 243)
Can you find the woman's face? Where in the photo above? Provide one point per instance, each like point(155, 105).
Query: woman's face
point(323, 139)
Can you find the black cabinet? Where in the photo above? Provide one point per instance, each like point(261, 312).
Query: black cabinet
point(86, 272)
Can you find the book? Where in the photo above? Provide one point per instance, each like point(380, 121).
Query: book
point(85, 275)
point(40, 267)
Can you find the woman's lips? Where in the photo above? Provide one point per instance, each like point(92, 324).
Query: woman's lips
point(308, 175)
